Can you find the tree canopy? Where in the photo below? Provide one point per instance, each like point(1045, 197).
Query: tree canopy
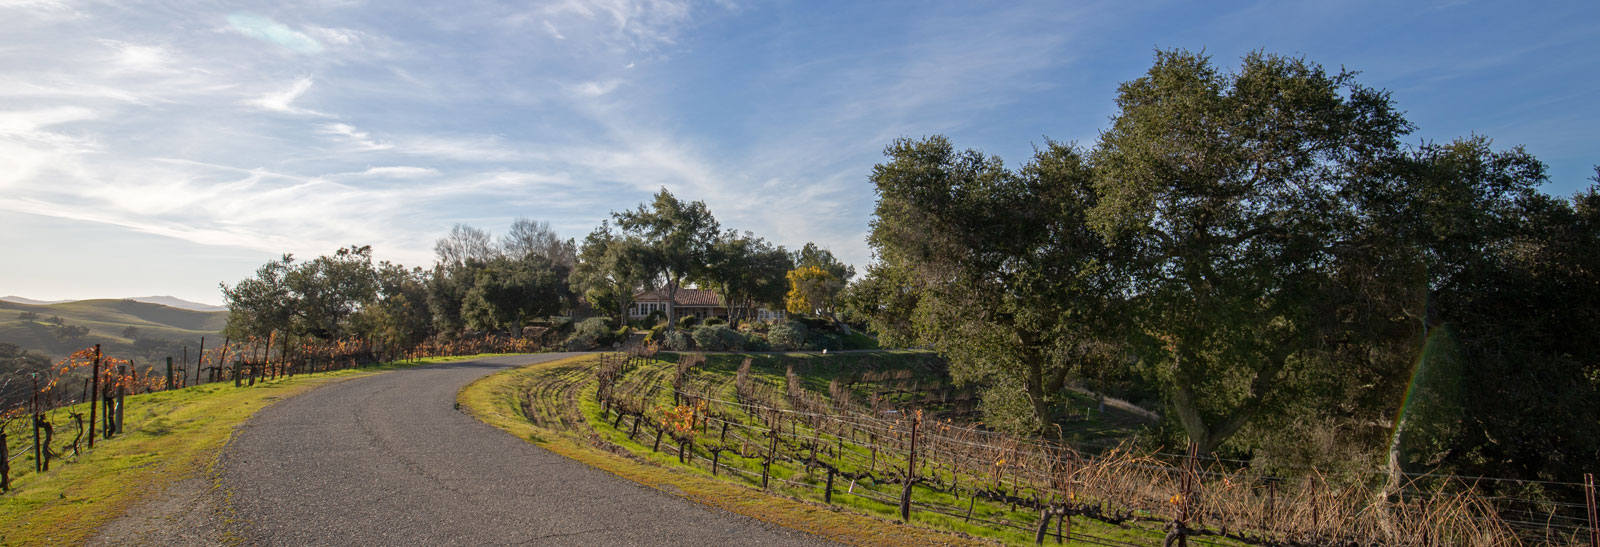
point(678, 237)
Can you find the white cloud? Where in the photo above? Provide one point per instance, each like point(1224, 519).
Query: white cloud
point(596, 89)
point(130, 57)
point(476, 148)
point(361, 139)
point(283, 101)
point(17, 123)
point(645, 25)
point(268, 30)
point(340, 36)
point(399, 172)
point(555, 33)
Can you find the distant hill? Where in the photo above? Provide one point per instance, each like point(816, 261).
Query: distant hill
point(178, 303)
point(30, 301)
point(163, 300)
point(107, 321)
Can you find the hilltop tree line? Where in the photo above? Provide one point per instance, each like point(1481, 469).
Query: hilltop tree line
point(481, 284)
point(1257, 254)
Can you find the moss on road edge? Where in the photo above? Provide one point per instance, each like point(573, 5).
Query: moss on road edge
point(495, 400)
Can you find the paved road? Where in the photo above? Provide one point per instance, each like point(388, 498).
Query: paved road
point(386, 460)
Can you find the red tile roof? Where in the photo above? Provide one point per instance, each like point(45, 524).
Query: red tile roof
point(686, 297)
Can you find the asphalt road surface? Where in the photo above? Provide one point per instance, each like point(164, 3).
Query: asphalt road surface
point(387, 460)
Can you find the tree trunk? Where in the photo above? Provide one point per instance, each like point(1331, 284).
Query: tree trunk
point(1036, 394)
point(837, 323)
point(1211, 436)
point(672, 305)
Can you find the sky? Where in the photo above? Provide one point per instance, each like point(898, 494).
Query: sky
point(165, 147)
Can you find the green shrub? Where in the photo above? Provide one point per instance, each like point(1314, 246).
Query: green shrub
point(688, 322)
point(812, 323)
point(860, 340)
point(788, 336)
point(718, 338)
point(675, 341)
point(591, 333)
point(756, 342)
point(714, 321)
point(654, 319)
point(819, 341)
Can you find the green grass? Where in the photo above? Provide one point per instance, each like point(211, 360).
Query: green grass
point(816, 371)
point(169, 436)
point(497, 401)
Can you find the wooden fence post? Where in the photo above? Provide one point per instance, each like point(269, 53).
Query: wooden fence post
point(1594, 509)
point(38, 454)
point(5, 462)
point(94, 393)
point(169, 373)
point(827, 495)
point(122, 397)
point(1044, 526)
point(911, 470)
point(772, 451)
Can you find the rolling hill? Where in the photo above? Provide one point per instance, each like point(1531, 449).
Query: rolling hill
point(107, 321)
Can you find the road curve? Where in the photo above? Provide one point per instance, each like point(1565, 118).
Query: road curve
point(386, 460)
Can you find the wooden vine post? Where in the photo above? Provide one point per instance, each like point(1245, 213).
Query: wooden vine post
point(38, 445)
point(5, 462)
point(1179, 529)
point(911, 470)
point(772, 451)
point(1594, 509)
point(122, 394)
point(94, 380)
point(169, 373)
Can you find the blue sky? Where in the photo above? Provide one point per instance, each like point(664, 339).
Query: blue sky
point(162, 147)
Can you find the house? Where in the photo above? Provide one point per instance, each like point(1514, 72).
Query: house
point(699, 303)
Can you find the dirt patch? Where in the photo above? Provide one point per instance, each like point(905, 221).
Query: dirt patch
point(187, 514)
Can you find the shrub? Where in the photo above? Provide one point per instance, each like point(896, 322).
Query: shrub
point(756, 342)
point(590, 333)
point(812, 323)
point(860, 340)
point(654, 318)
point(718, 338)
point(675, 341)
point(580, 343)
point(688, 321)
point(714, 321)
point(824, 341)
point(787, 336)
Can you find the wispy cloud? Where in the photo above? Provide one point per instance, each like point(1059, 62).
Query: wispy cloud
point(320, 124)
point(283, 101)
point(399, 172)
point(268, 30)
point(349, 133)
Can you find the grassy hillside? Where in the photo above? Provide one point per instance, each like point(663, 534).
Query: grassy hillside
point(106, 321)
